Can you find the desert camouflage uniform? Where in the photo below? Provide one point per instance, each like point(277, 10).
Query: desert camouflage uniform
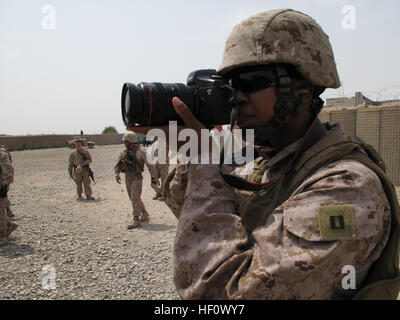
point(6, 178)
point(10, 214)
point(76, 159)
point(215, 258)
point(134, 181)
point(159, 169)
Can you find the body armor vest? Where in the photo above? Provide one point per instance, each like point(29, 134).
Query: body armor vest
point(130, 163)
point(383, 278)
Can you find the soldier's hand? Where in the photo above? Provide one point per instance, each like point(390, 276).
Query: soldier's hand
point(190, 120)
point(187, 116)
point(118, 179)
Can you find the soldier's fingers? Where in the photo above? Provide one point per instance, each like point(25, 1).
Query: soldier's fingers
point(187, 116)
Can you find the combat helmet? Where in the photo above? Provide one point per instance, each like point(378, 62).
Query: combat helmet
point(282, 36)
point(287, 41)
point(130, 137)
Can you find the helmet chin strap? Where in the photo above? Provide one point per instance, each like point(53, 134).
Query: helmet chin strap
point(287, 104)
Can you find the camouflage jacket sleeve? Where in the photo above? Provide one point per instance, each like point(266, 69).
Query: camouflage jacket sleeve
point(175, 188)
point(117, 167)
point(215, 258)
point(7, 169)
point(70, 164)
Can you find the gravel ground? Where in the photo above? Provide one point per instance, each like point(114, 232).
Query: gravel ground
point(93, 255)
point(87, 243)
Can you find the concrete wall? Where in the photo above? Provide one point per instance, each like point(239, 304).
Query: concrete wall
point(378, 126)
point(340, 102)
point(54, 140)
point(355, 101)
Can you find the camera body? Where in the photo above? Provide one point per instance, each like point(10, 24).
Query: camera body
point(206, 94)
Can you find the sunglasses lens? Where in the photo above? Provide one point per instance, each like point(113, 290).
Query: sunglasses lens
point(250, 82)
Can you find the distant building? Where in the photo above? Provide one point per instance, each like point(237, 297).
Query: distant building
point(355, 101)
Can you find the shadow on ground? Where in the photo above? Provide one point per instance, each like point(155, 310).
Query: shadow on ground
point(157, 227)
point(15, 250)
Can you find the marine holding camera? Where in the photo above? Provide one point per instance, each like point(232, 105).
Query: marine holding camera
point(319, 202)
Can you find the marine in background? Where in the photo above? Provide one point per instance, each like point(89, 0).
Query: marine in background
point(131, 161)
point(160, 168)
point(79, 170)
point(6, 178)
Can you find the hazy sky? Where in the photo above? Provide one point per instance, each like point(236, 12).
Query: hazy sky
point(63, 62)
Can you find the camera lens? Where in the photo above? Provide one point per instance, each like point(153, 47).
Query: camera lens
point(127, 104)
point(150, 104)
point(132, 105)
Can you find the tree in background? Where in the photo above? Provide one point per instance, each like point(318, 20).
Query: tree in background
point(110, 129)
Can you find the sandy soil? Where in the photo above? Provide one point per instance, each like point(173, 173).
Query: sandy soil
point(87, 242)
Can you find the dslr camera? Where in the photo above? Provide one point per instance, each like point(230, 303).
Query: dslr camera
point(208, 95)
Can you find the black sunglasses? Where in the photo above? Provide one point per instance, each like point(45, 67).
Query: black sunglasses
point(252, 81)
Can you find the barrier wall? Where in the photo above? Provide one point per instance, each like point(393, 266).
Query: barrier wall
point(53, 141)
point(389, 142)
point(376, 125)
point(369, 126)
point(348, 118)
point(324, 116)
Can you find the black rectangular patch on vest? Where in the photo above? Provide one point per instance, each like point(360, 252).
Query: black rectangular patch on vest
point(337, 222)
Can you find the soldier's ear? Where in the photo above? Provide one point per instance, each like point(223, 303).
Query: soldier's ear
point(303, 90)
